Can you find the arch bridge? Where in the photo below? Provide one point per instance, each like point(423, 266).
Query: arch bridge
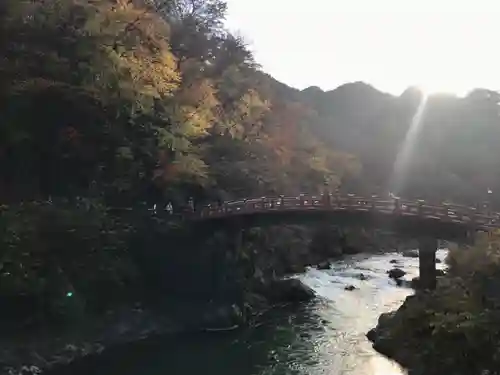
point(416, 219)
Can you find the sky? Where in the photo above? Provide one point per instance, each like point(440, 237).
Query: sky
point(438, 45)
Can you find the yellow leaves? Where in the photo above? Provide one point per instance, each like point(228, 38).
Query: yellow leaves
point(151, 75)
point(127, 23)
point(137, 54)
point(199, 94)
point(251, 107)
point(192, 110)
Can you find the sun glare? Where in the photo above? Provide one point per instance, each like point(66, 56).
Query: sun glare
point(437, 86)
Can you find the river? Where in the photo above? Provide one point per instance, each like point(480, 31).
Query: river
point(326, 336)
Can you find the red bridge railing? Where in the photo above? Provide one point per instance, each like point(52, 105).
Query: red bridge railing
point(445, 212)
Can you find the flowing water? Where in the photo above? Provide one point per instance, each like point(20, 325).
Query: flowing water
point(326, 336)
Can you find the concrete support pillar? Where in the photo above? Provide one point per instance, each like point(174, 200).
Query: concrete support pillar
point(427, 262)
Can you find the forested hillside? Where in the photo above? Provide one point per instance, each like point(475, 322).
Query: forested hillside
point(137, 100)
point(128, 100)
point(112, 103)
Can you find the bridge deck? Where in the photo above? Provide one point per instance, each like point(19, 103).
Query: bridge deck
point(444, 213)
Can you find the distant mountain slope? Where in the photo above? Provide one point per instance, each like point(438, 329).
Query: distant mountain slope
point(454, 152)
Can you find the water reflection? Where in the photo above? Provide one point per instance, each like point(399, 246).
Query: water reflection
point(323, 337)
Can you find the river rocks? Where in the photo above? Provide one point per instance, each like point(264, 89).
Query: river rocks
point(396, 273)
point(350, 287)
point(288, 290)
point(394, 261)
point(362, 277)
point(410, 254)
point(323, 266)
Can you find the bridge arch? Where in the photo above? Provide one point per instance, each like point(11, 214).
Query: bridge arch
point(415, 219)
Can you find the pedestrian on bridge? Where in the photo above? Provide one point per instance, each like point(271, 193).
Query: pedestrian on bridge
point(191, 204)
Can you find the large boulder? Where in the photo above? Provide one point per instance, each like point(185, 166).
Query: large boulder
point(350, 287)
point(288, 290)
point(396, 273)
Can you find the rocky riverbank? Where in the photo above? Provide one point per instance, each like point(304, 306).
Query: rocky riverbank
point(34, 354)
point(454, 329)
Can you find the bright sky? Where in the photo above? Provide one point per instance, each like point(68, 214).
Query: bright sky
point(440, 45)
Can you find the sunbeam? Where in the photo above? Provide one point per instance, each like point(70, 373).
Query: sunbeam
point(407, 148)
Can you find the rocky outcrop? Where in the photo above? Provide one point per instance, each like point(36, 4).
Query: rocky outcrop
point(386, 337)
point(286, 291)
point(376, 333)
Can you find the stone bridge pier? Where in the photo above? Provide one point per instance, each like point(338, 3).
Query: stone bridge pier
point(427, 262)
